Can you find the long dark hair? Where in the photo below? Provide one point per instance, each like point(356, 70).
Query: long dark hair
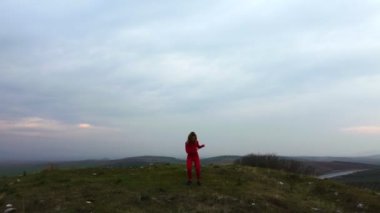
point(192, 134)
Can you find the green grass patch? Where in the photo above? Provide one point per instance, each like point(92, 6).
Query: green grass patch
point(162, 188)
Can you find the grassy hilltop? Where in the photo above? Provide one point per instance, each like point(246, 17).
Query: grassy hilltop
point(161, 188)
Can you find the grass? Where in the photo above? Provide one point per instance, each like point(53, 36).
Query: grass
point(161, 188)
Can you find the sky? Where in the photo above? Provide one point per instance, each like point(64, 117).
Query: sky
point(112, 79)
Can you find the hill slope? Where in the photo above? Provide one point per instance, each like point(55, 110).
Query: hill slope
point(161, 188)
point(365, 179)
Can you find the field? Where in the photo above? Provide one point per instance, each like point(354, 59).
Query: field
point(161, 188)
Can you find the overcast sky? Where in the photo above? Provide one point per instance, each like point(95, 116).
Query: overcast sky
point(111, 79)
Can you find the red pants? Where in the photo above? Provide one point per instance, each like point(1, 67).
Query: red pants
point(189, 164)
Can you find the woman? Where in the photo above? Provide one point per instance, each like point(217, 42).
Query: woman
point(192, 146)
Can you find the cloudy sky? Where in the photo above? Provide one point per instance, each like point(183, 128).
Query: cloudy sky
point(110, 79)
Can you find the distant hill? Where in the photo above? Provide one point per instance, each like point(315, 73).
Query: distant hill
point(369, 179)
point(161, 188)
point(224, 159)
point(17, 168)
point(323, 167)
point(321, 164)
point(373, 159)
point(142, 161)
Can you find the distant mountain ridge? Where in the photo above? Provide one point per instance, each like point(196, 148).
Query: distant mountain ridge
point(18, 168)
point(372, 159)
point(143, 160)
point(322, 164)
point(147, 160)
point(375, 156)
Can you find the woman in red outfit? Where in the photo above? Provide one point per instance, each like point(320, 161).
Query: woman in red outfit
point(192, 146)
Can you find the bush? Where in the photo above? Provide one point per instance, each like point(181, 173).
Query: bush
point(274, 162)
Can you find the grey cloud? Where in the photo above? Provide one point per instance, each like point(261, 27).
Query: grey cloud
point(162, 67)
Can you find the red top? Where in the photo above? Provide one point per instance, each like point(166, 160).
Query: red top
point(192, 148)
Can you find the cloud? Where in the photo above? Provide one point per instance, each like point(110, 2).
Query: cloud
point(31, 123)
point(46, 127)
point(145, 66)
point(166, 62)
point(85, 126)
point(367, 130)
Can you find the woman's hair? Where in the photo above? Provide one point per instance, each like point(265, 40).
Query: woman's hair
point(191, 135)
